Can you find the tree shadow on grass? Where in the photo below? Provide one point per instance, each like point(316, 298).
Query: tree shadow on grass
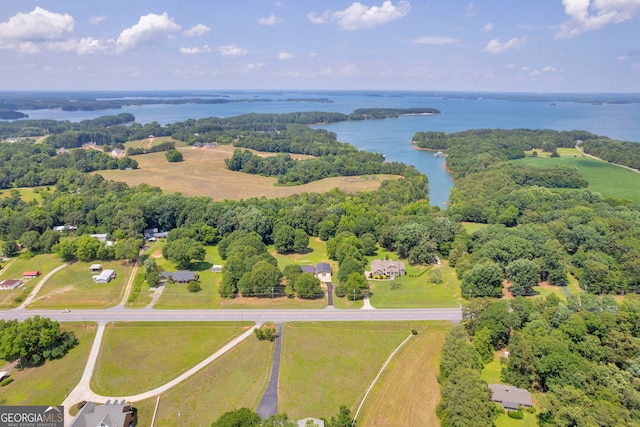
point(201, 266)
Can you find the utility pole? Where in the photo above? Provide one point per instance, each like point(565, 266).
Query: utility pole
point(354, 295)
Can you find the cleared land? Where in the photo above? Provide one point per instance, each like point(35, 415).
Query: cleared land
point(43, 263)
point(73, 287)
point(604, 178)
point(203, 173)
point(325, 365)
point(27, 194)
point(407, 392)
point(162, 352)
point(416, 290)
point(237, 379)
point(49, 384)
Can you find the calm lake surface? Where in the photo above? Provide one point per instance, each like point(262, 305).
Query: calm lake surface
point(392, 137)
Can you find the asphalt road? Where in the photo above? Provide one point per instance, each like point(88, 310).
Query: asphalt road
point(278, 316)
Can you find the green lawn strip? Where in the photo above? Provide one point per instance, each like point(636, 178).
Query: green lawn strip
point(408, 392)
point(492, 371)
point(73, 287)
point(43, 263)
point(503, 420)
point(325, 365)
point(545, 291)
point(49, 384)
point(346, 303)
point(237, 379)
point(144, 293)
point(471, 227)
point(604, 178)
point(416, 290)
point(136, 357)
point(317, 253)
point(27, 194)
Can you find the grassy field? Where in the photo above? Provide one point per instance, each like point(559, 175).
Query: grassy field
point(603, 177)
point(238, 379)
point(417, 291)
point(471, 227)
point(150, 142)
point(407, 392)
point(27, 194)
point(203, 173)
point(49, 384)
point(43, 263)
point(73, 287)
point(127, 366)
point(317, 253)
point(325, 365)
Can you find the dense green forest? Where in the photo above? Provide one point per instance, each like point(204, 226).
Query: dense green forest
point(582, 358)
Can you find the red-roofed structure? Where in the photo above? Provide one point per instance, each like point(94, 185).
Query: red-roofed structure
point(30, 274)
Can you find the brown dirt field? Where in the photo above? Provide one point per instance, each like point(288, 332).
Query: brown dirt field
point(506, 293)
point(203, 173)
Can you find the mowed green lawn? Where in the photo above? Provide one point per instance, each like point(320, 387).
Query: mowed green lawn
point(137, 357)
point(603, 177)
point(407, 392)
point(416, 290)
point(49, 384)
point(73, 287)
point(43, 263)
point(235, 380)
point(325, 365)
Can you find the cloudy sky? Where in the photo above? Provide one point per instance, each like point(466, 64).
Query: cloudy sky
point(491, 45)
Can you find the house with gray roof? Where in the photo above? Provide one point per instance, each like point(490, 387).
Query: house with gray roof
point(387, 268)
point(180, 276)
point(111, 414)
point(510, 397)
point(321, 270)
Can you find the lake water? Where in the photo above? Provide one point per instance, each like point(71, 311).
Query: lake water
point(392, 137)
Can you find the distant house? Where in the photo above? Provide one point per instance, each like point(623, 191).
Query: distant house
point(30, 274)
point(180, 276)
point(95, 268)
point(105, 276)
point(116, 414)
point(100, 237)
point(63, 228)
point(387, 268)
point(321, 270)
point(117, 152)
point(10, 284)
point(216, 268)
point(510, 397)
point(151, 234)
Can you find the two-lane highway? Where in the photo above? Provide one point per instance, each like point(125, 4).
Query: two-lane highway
point(323, 315)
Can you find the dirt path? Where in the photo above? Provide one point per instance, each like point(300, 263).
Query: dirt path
point(581, 151)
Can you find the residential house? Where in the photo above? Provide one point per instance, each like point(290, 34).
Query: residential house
point(387, 268)
point(10, 284)
point(111, 414)
point(100, 237)
point(180, 276)
point(151, 234)
point(217, 268)
point(510, 397)
point(321, 270)
point(63, 228)
point(95, 268)
point(105, 276)
point(307, 422)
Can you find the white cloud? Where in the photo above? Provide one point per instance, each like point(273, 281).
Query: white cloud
point(435, 40)
point(232, 50)
point(256, 66)
point(149, 28)
point(524, 68)
point(470, 10)
point(534, 73)
point(511, 66)
point(488, 27)
point(195, 50)
point(623, 57)
point(28, 48)
point(285, 55)
point(197, 30)
point(587, 15)
point(359, 16)
point(549, 68)
point(97, 20)
point(89, 45)
point(37, 25)
point(496, 46)
point(271, 20)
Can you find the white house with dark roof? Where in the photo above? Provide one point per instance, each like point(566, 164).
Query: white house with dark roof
point(321, 270)
point(111, 414)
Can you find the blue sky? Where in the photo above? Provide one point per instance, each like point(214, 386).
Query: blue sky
point(523, 46)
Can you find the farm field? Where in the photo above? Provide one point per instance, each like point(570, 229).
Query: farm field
point(43, 263)
point(203, 173)
point(125, 369)
point(604, 178)
point(73, 287)
point(49, 383)
point(237, 379)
